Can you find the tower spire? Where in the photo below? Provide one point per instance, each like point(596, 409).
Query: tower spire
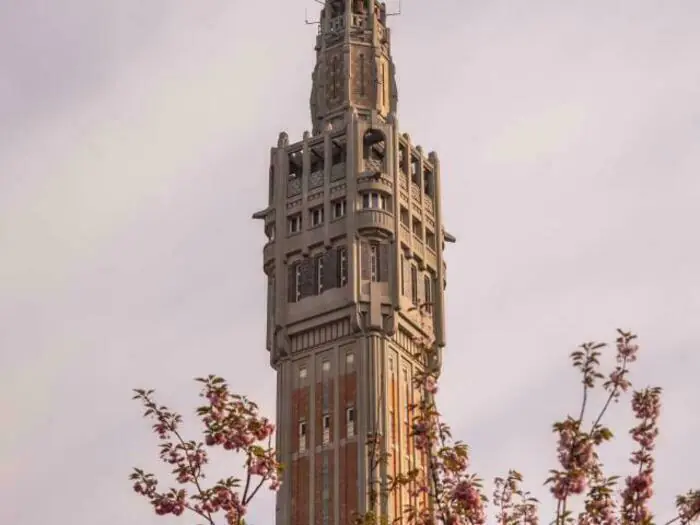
point(354, 68)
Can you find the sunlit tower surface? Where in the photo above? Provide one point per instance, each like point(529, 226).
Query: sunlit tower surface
point(355, 275)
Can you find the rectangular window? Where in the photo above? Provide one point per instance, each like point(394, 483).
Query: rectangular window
point(326, 429)
point(342, 266)
point(403, 276)
point(414, 284)
point(374, 200)
point(297, 281)
point(302, 436)
point(392, 426)
point(294, 223)
point(350, 421)
point(338, 207)
point(430, 239)
point(417, 228)
point(374, 262)
point(404, 216)
point(294, 282)
point(316, 215)
point(318, 268)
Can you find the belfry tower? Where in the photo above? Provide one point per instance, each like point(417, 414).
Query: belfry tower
point(356, 277)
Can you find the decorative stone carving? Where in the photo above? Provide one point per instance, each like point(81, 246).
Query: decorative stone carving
point(316, 179)
point(335, 76)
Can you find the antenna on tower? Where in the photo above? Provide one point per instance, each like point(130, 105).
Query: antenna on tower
point(397, 12)
point(306, 14)
point(310, 22)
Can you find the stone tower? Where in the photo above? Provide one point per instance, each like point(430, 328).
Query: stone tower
point(355, 277)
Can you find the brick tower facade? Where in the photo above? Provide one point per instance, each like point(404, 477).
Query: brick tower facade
point(355, 276)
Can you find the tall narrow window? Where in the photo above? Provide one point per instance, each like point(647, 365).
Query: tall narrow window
point(350, 421)
point(294, 223)
point(342, 266)
point(294, 282)
point(318, 274)
point(297, 281)
point(428, 292)
point(338, 207)
point(374, 262)
point(326, 428)
point(316, 215)
point(302, 436)
point(403, 277)
point(414, 284)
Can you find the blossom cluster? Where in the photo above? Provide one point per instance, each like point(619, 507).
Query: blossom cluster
point(230, 421)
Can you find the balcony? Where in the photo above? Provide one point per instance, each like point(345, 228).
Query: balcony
point(375, 219)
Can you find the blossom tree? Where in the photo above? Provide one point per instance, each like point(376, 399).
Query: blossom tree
point(454, 494)
point(231, 422)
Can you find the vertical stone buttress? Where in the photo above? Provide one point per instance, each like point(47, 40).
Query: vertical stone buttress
point(355, 278)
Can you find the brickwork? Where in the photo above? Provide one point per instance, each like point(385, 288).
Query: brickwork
point(348, 452)
point(299, 472)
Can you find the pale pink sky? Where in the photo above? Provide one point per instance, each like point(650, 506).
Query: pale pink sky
point(134, 142)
